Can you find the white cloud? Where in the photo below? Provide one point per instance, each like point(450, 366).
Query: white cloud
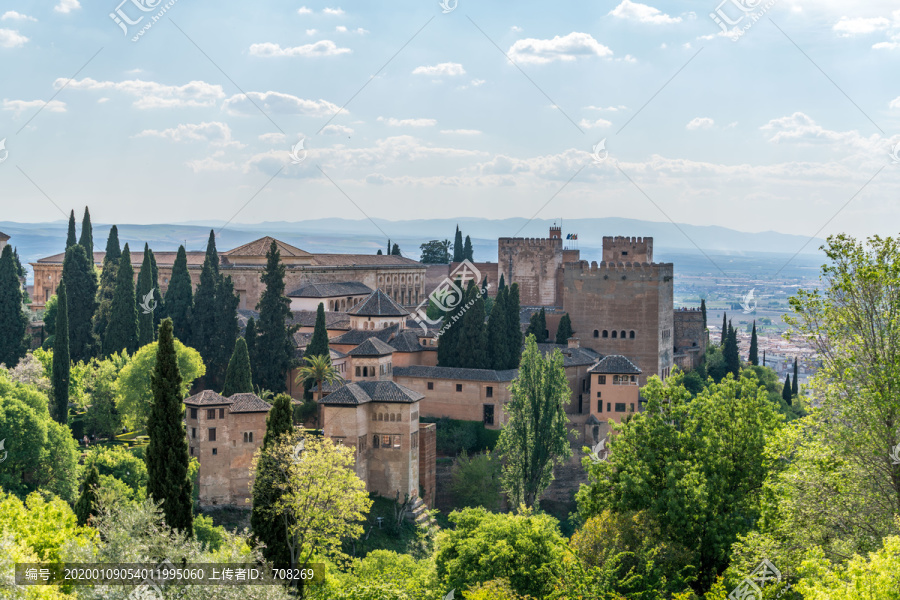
point(392, 122)
point(215, 133)
point(341, 29)
point(320, 48)
point(66, 6)
point(303, 11)
point(20, 106)
point(312, 31)
point(12, 15)
point(273, 138)
point(11, 39)
point(608, 108)
point(333, 11)
point(516, 28)
point(211, 163)
point(847, 27)
point(642, 13)
point(800, 129)
point(895, 103)
point(461, 131)
point(594, 124)
point(443, 69)
point(700, 123)
point(151, 94)
point(337, 130)
point(277, 102)
point(563, 48)
point(102, 100)
point(361, 31)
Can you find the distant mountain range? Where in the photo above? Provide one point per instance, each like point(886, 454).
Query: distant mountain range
point(37, 240)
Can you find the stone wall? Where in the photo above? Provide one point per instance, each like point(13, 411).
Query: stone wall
point(533, 264)
point(690, 337)
point(627, 249)
point(427, 465)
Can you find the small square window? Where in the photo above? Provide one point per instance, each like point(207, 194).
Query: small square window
point(620, 407)
point(632, 407)
point(215, 451)
point(385, 441)
point(396, 441)
point(211, 413)
point(221, 413)
point(193, 413)
point(430, 385)
point(458, 387)
point(598, 395)
point(489, 392)
point(602, 379)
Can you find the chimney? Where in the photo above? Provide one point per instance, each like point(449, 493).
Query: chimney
point(574, 342)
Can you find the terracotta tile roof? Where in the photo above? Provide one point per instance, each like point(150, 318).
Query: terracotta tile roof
point(407, 340)
point(372, 391)
point(247, 403)
point(358, 336)
point(423, 372)
point(372, 347)
point(3, 236)
point(261, 246)
point(207, 398)
point(163, 259)
point(364, 260)
point(572, 357)
point(615, 363)
point(330, 290)
point(378, 304)
point(333, 320)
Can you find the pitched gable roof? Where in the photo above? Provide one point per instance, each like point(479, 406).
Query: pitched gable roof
point(372, 347)
point(378, 304)
point(616, 364)
point(207, 398)
point(246, 403)
point(330, 290)
point(358, 336)
point(261, 246)
point(372, 391)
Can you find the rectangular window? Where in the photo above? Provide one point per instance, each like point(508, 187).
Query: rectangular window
point(338, 441)
point(620, 407)
point(375, 441)
point(211, 413)
point(608, 407)
point(430, 385)
point(602, 379)
point(396, 441)
point(191, 450)
point(598, 394)
point(487, 414)
point(212, 434)
point(358, 371)
point(362, 444)
point(193, 433)
point(385, 441)
point(458, 387)
point(600, 406)
point(221, 413)
point(414, 440)
point(193, 413)
point(489, 392)
point(248, 437)
point(215, 451)
point(632, 407)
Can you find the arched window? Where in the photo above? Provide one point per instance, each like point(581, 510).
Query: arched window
point(623, 334)
point(615, 333)
point(596, 333)
point(631, 334)
point(380, 417)
point(392, 417)
point(605, 333)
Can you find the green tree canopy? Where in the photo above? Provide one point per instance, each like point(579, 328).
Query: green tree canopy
point(435, 252)
point(13, 321)
point(80, 277)
point(61, 362)
point(179, 297)
point(107, 287)
point(564, 330)
point(274, 348)
point(121, 333)
point(238, 378)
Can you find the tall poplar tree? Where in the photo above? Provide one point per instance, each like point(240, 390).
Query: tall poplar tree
point(753, 358)
point(795, 385)
point(179, 298)
point(81, 286)
point(107, 288)
point(514, 339)
point(786, 390)
point(471, 344)
point(87, 235)
point(468, 252)
point(564, 330)
point(145, 301)
point(166, 455)
point(267, 527)
point(275, 348)
point(458, 248)
point(250, 338)
point(121, 333)
point(535, 437)
point(13, 321)
point(71, 238)
point(497, 334)
point(61, 361)
point(238, 378)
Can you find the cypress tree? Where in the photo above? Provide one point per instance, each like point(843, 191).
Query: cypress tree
point(86, 506)
point(121, 334)
point(498, 350)
point(20, 270)
point(238, 378)
point(730, 352)
point(250, 340)
point(179, 298)
point(13, 321)
point(795, 386)
point(451, 328)
point(318, 343)
point(724, 329)
point(61, 362)
point(275, 345)
point(754, 350)
point(167, 453)
point(703, 310)
point(786, 390)
point(145, 300)
point(514, 339)
point(537, 326)
point(502, 283)
point(468, 253)
point(471, 344)
point(564, 331)
point(81, 286)
point(214, 325)
point(157, 294)
point(87, 235)
point(395, 251)
point(107, 288)
point(267, 525)
point(458, 249)
point(71, 239)
point(380, 253)
point(227, 326)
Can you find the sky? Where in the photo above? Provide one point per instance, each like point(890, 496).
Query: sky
point(784, 115)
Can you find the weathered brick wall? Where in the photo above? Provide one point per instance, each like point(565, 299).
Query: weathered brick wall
point(533, 264)
point(427, 462)
point(690, 335)
point(625, 249)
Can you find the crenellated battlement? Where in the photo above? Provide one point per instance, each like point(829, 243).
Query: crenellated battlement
point(517, 241)
point(624, 239)
point(626, 248)
point(583, 270)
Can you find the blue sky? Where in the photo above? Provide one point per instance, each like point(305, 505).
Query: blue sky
point(774, 129)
